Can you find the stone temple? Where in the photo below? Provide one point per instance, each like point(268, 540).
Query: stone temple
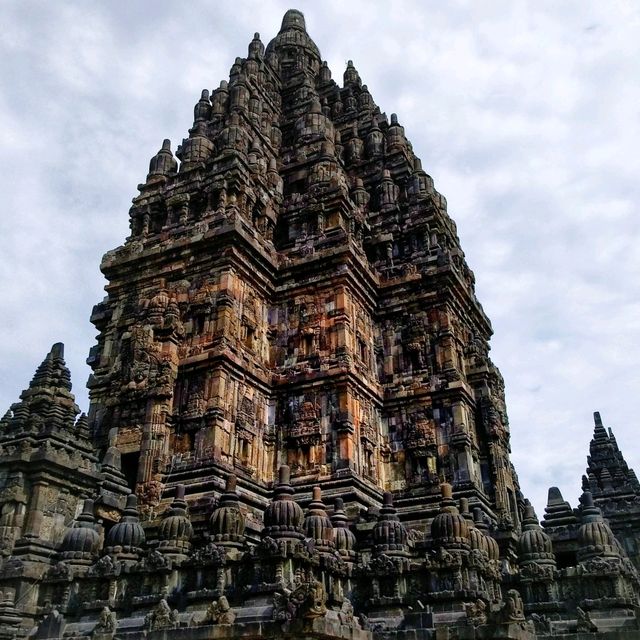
point(295, 428)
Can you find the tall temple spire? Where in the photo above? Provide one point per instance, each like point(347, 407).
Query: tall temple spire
point(48, 401)
point(606, 467)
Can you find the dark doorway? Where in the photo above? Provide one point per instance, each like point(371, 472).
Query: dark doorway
point(130, 463)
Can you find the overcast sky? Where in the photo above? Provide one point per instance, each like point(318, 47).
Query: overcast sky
point(526, 115)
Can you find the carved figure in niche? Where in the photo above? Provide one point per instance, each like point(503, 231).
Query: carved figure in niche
point(513, 609)
point(150, 493)
point(283, 609)
point(584, 623)
point(306, 424)
point(105, 566)
point(541, 623)
point(196, 403)
point(165, 379)
point(346, 613)
point(417, 343)
point(7, 527)
point(107, 623)
point(219, 612)
point(307, 601)
point(476, 612)
point(420, 435)
point(246, 415)
point(162, 617)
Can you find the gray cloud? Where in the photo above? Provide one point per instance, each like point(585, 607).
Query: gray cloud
point(526, 115)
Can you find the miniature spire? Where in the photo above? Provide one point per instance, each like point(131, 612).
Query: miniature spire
point(607, 470)
point(293, 19)
point(389, 534)
point(81, 542)
point(449, 529)
point(114, 482)
point(325, 72)
point(396, 140)
point(202, 110)
point(48, 402)
point(594, 535)
point(227, 520)
point(175, 530)
point(126, 538)
point(351, 76)
point(534, 545)
point(344, 538)
point(219, 99)
point(481, 525)
point(283, 517)
point(558, 511)
point(82, 425)
point(163, 163)
point(256, 48)
point(317, 524)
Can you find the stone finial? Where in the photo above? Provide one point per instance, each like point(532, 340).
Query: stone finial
point(558, 511)
point(175, 530)
point(202, 110)
point(351, 76)
point(449, 529)
point(390, 536)
point(126, 538)
point(163, 163)
point(81, 542)
point(317, 524)
point(595, 538)
point(599, 432)
point(227, 522)
point(283, 517)
point(293, 19)
point(464, 510)
point(256, 48)
point(344, 538)
point(284, 475)
point(446, 491)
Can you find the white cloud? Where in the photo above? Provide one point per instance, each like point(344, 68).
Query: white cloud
point(525, 114)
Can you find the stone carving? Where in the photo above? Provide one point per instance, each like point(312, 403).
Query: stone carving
point(584, 623)
point(346, 614)
point(106, 566)
point(51, 626)
point(541, 623)
point(219, 612)
point(107, 624)
point(513, 609)
point(209, 555)
point(161, 617)
point(307, 601)
point(476, 612)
